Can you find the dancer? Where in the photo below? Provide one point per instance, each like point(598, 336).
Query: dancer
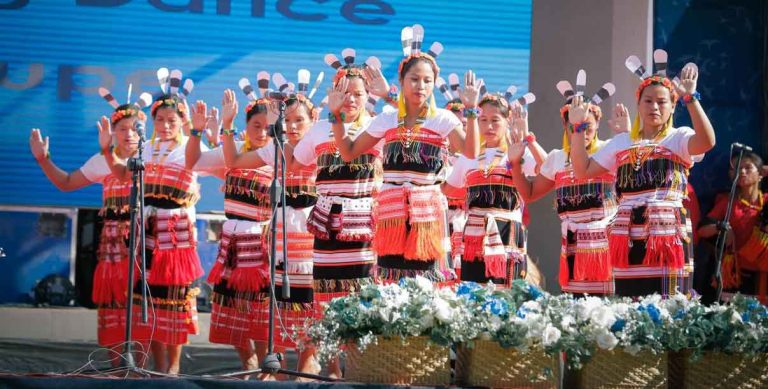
point(649, 238)
point(585, 206)
point(410, 210)
point(170, 193)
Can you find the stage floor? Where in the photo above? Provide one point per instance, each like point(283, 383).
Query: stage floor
point(61, 340)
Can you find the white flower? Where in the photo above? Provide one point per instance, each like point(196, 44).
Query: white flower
point(603, 316)
point(585, 306)
point(443, 310)
point(568, 323)
point(531, 306)
point(735, 318)
point(424, 284)
point(606, 340)
point(550, 335)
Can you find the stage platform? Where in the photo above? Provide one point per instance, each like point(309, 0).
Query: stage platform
point(61, 340)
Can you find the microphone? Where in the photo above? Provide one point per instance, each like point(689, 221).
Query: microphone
point(140, 129)
point(736, 145)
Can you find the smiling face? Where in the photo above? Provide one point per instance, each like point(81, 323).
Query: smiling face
point(297, 121)
point(655, 106)
point(418, 81)
point(167, 123)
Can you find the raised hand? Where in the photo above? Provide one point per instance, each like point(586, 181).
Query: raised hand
point(200, 115)
point(619, 121)
point(518, 123)
point(377, 84)
point(229, 107)
point(470, 94)
point(38, 145)
point(515, 150)
point(105, 133)
point(212, 126)
point(689, 76)
point(337, 94)
point(577, 112)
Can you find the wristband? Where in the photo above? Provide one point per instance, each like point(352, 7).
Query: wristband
point(228, 131)
point(579, 127)
point(195, 133)
point(336, 118)
point(530, 138)
point(391, 98)
point(689, 98)
point(471, 113)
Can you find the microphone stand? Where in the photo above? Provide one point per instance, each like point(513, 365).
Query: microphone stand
point(723, 227)
point(136, 201)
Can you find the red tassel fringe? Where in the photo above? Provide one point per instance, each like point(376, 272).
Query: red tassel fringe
point(251, 279)
point(496, 266)
point(178, 266)
point(217, 273)
point(664, 251)
point(592, 265)
point(619, 248)
point(564, 273)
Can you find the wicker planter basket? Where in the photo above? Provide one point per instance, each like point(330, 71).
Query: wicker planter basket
point(618, 369)
point(485, 363)
point(409, 361)
point(720, 370)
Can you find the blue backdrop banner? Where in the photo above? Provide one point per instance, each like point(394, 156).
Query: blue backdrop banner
point(57, 53)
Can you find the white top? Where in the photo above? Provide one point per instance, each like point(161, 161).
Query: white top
point(463, 165)
point(443, 122)
point(676, 141)
point(556, 162)
point(95, 169)
point(306, 150)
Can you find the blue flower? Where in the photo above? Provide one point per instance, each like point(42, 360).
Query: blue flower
point(534, 291)
point(618, 325)
point(680, 314)
point(466, 288)
point(652, 311)
point(745, 317)
point(752, 304)
point(365, 303)
point(521, 312)
point(496, 307)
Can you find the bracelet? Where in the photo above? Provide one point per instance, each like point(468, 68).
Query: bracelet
point(530, 138)
point(689, 98)
point(510, 165)
point(578, 127)
point(336, 117)
point(391, 98)
point(228, 131)
point(196, 133)
point(471, 113)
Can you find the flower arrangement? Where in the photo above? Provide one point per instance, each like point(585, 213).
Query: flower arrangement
point(524, 317)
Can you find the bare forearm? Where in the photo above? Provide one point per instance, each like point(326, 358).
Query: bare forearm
point(192, 152)
point(59, 178)
point(704, 139)
point(118, 167)
point(539, 155)
point(522, 184)
point(472, 139)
